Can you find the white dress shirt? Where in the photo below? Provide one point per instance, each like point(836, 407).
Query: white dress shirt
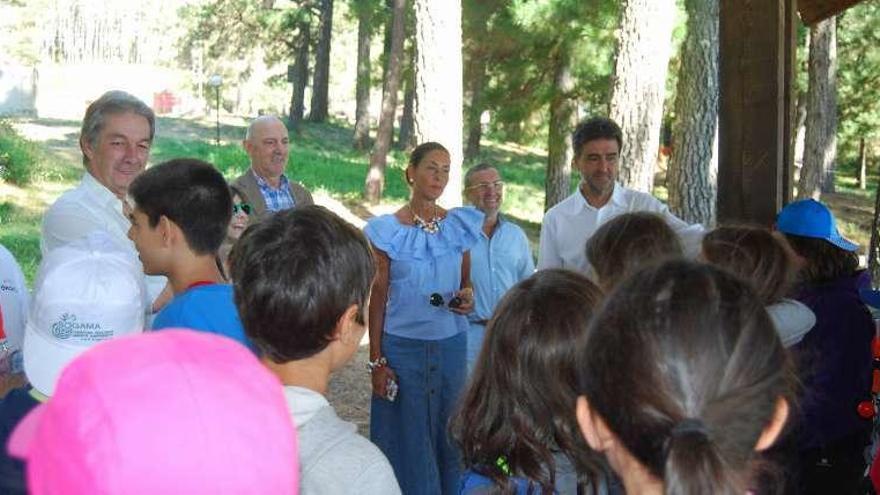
point(568, 225)
point(88, 207)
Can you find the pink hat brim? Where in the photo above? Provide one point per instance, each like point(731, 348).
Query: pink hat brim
point(24, 435)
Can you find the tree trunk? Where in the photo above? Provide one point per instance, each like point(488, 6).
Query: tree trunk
point(820, 142)
point(362, 90)
point(693, 170)
point(475, 82)
point(638, 86)
point(562, 112)
point(375, 182)
point(300, 76)
point(863, 165)
point(406, 135)
point(874, 246)
point(438, 100)
point(321, 81)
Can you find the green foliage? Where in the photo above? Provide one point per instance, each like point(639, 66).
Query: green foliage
point(858, 77)
point(20, 234)
point(19, 158)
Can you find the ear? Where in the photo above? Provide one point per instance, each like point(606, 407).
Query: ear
point(87, 149)
point(347, 329)
point(595, 432)
point(168, 230)
point(774, 428)
point(246, 144)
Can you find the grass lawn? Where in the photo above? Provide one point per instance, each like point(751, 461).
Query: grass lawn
point(321, 158)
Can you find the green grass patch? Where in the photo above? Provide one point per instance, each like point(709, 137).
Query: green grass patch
point(21, 236)
point(19, 158)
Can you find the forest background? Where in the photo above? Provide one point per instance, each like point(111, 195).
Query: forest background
point(361, 81)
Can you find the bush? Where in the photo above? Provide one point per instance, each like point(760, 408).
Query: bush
point(18, 156)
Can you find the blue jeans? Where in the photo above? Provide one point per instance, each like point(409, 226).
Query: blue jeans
point(474, 344)
point(412, 430)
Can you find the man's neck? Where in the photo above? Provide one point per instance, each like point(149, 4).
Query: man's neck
point(193, 270)
point(275, 182)
point(490, 223)
point(312, 373)
point(594, 199)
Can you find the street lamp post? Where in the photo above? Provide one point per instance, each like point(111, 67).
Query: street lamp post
point(215, 81)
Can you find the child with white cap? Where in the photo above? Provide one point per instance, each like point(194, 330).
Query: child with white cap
point(88, 291)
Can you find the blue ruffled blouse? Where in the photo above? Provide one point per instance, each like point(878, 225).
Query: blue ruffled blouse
point(423, 264)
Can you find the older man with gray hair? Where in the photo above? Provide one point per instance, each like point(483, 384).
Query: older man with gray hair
point(501, 257)
point(264, 183)
point(115, 139)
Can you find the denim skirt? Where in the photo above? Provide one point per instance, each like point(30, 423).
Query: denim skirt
point(412, 431)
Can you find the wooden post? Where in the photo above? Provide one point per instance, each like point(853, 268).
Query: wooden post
point(755, 108)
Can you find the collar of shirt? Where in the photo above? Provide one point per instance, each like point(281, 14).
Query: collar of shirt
point(283, 183)
point(100, 194)
point(617, 198)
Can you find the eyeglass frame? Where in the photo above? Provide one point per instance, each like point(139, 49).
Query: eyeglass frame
point(496, 185)
point(436, 300)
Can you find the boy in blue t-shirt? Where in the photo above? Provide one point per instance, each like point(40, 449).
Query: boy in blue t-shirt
point(179, 213)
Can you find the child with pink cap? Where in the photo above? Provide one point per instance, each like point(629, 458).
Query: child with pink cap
point(171, 412)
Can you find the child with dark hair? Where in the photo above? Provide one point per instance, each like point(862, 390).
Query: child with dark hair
point(179, 213)
point(628, 242)
point(765, 259)
point(302, 285)
point(682, 379)
point(515, 425)
point(835, 355)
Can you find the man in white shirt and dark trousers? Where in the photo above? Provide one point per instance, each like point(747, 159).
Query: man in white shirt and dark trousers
point(599, 198)
point(501, 257)
point(115, 139)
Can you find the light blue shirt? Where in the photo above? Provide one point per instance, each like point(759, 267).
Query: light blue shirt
point(497, 264)
point(423, 264)
point(276, 199)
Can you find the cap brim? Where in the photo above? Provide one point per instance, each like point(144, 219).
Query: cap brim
point(843, 243)
point(870, 297)
point(23, 436)
point(44, 359)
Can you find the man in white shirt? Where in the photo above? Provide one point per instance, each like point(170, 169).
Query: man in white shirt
point(115, 139)
point(599, 198)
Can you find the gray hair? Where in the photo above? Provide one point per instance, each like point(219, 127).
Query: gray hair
point(259, 120)
point(478, 168)
point(110, 103)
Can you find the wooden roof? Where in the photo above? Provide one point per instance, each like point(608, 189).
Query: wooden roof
point(813, 11)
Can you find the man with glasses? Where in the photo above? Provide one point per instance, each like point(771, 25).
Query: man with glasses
point(569, 224)
point(501, 257)
point(265, 184)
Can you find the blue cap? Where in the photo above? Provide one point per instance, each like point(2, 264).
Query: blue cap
point(870, 297)
point(810, 218)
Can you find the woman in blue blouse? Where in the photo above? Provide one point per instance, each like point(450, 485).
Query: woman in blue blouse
point(418, 328)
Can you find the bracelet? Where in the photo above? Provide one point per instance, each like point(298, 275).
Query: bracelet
point(380, 362)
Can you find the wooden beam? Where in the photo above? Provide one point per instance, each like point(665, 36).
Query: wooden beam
point(754, 108)
point(813, 11)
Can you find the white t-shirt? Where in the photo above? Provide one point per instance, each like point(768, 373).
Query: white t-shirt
point(568, 225)
point(88, 207)
point(14, 299)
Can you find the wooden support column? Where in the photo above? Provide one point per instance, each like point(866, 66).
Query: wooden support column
point(755, 108)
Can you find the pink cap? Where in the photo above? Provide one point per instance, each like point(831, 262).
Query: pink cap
point(174, 411)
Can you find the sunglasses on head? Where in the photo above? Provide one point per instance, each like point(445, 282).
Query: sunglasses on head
point(245, 207)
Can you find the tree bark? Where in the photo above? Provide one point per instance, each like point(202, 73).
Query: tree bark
point(638, 86)
point(362, 90)
point(300, 76)
point(693, 170)
point(375, 182)
point(438, 99)
point(562, 112)
point(321, 81)
point(406, 134)
point(863, 164)
point(820, 142)
point(475, 82)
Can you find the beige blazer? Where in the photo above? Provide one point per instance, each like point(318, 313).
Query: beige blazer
point(248, 185)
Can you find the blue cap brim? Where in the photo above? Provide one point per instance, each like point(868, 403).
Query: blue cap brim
point(870, 297)
point(843, 243)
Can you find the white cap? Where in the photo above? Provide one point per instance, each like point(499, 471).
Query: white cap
point(87, 291)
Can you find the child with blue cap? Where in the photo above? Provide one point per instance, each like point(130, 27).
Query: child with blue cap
point(835, 356)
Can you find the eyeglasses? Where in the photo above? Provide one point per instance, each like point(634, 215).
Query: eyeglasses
point(486, 186)
point(245, 207)
point(437, 300)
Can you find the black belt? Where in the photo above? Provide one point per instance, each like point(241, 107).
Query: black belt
point(481, 322)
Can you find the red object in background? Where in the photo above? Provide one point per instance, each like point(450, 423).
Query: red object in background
point(163, 102)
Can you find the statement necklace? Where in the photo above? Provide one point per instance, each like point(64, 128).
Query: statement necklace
point(431, 226)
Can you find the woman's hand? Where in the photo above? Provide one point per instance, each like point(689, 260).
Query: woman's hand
point(380, 378)
point(467, 301)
